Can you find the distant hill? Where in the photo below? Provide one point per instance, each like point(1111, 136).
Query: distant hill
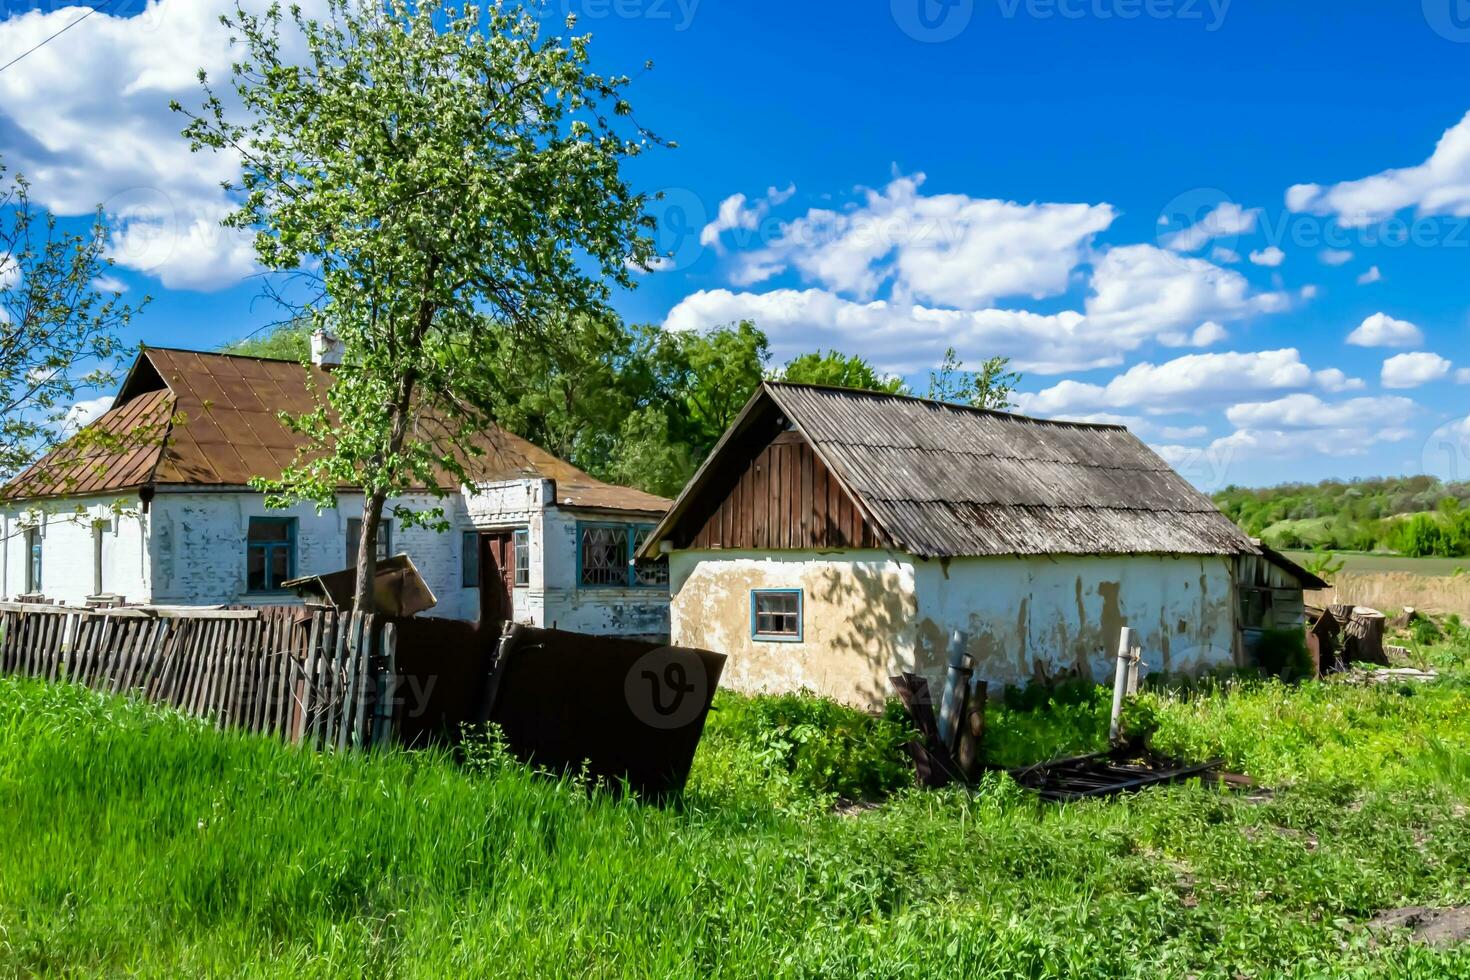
point(1412, 515)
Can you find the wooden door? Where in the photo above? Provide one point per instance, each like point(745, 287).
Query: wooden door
point(497, 576)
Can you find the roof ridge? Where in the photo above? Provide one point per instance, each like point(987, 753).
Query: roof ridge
point(220, 353)
point(940, 403)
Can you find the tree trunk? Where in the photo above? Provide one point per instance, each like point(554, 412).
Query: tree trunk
point(367, 553)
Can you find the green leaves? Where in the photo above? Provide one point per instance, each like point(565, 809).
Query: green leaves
point(452, 181)
point(58, 325)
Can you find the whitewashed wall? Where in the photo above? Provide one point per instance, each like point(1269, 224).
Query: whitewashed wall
point(870, 614)
point(199, 547)
point(554, 598)
point(67, 548)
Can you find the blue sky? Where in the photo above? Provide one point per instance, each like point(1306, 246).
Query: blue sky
point(1170, 213)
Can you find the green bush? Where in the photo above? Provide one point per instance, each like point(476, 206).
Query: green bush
point(816, 746)
point(1425, 632)
point(1283, 654)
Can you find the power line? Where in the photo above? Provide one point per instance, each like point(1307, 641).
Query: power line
point(53, 37)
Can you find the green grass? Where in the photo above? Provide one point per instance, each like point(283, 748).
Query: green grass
point(137, 841)
point(1355, 561)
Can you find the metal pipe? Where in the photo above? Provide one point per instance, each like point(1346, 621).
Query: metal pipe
point(1120, 682)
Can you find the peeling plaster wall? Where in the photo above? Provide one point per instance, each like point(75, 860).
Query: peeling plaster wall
point(869, 614)
point(554, 598)
point(68, 548)
point(859, 616)
point(199, 547)
point(1037, 617)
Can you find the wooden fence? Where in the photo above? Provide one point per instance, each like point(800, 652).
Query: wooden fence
point(316, 678)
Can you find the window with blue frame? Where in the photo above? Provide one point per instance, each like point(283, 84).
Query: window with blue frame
point(354, 540)
point(605, 557)
point(270, 553)
point(775, 614)
point(469, 556)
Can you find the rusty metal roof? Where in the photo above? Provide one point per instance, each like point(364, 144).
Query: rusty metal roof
point(215, 422)
point(949, 480)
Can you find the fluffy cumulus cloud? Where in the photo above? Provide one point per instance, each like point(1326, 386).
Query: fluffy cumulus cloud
point(1368, 278)
point(1335, 256)
point(1335, 380)
point(84, 413)
point(944, 250)
point(1226, 221)
point(1147, 291)
point(736, 213)
point(1439, 186)
point(1306, 411)
point(1382, 330)
point(1270, 256)
point(1413, 370)
point(106, 136)
point(897, 337)
point(1191, 382)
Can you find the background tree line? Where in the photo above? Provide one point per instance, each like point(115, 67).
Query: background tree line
point(1418, 516)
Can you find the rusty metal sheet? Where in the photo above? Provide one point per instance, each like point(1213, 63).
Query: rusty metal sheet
point(229, 432)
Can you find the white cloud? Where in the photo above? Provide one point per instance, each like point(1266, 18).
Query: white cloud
point(84, 413)
point(1439, 186)
point(1334, 380)
point(1189, 383)
point(1271, 257)
point(735, 214)
point(1292, 444)
point(1227, 220)
point(109, 284)
point(1382, 330)
point(1303, 411)
point(1335, 256)
point(1371, 276)
point(947, 249)
point(1146, 290)
point(1462, 376)
point(105, 134)
point(1224, 256)
point(1413, 370)
point(900, 338)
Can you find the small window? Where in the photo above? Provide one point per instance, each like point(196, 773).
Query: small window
point(648, 573)
point(354, 540)
point(270, 552)
point(604, 554)
point(776, 615)
point(469, 559)
point(523, 558)
point(1255, 608)
point(33, 561)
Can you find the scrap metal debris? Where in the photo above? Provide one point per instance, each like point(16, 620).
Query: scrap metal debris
point(1121, 770)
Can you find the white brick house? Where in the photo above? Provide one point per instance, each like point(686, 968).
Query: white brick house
point(172, 521)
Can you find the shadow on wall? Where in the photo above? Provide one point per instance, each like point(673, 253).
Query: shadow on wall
point(865, 617)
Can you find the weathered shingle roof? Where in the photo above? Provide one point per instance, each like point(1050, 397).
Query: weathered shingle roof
point(947, 480)
point(216, 423)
